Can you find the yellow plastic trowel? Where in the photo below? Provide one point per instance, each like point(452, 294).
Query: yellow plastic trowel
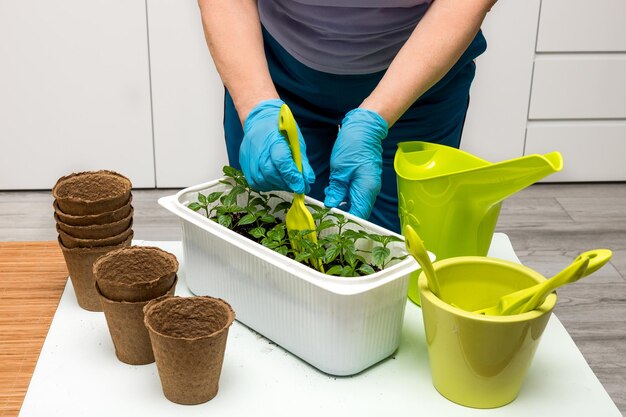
point(298, 217)
point(531, 298)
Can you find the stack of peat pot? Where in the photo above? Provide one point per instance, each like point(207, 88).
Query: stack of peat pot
point(134, 286)
point(94, 216)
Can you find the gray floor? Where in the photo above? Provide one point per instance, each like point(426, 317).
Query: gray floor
point(549, 225)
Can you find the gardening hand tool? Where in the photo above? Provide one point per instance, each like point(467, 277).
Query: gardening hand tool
point(264, 156)
point(415, 246)
point(356, 162)
point(530, 298)
point(298, 217)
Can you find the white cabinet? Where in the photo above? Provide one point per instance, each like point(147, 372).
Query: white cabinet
point(582, 26)
point(187, 96)
point(496, 121)
point(74, 91)
point(578, 94)
point(567, 95)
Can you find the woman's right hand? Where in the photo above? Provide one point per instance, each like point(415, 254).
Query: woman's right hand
point(265, 157)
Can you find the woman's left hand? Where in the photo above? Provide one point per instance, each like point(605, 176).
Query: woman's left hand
point(356, 162)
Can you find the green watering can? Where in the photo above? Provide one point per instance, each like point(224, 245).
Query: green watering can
point(452, 198)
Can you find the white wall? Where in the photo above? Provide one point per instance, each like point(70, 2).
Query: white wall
point(129, 85)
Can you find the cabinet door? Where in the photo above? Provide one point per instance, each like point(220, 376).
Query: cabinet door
point(496, 121)
point(592, 150)
point(582, 26)
point(74, 91)
point(579, 86)
point(187, 96)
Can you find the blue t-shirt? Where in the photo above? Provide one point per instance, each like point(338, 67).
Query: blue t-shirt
point(342, 36)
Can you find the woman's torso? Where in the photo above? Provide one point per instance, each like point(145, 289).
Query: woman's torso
point(342, 36)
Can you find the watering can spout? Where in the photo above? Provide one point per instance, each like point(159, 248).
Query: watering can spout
point(555, 160)
point(503, 179)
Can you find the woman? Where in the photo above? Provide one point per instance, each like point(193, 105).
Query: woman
point(359, 76)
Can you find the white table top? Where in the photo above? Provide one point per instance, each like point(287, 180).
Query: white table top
point(79, 375)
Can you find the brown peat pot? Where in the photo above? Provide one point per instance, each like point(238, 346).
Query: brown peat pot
point(126, 325)
point(94, 219)
point(79, 263)
point(136, 273)
point(71, 242)
point(92, 192)
point(189, 339)
point(96, 231)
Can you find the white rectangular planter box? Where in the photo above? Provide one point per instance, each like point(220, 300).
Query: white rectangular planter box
point(339, 325)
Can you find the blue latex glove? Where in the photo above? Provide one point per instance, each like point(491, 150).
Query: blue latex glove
point(356, 163)
point(265, 157)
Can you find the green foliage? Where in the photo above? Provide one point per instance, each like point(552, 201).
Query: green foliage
point(250, 213)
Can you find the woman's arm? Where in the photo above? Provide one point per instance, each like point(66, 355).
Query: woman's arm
point(233, 32)
point(435, 45)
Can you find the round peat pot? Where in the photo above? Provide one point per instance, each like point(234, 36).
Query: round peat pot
point(74, 242)
point(79, 262)
point(94, 219)
point(92, 192)
point(96, 231)
point(136, 273)
point(480, 361)
point(189, 339)
point(128, 331)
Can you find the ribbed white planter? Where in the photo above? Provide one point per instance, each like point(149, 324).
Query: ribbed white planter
point(339, 325)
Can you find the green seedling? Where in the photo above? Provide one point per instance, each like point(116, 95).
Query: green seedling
point(260, 216)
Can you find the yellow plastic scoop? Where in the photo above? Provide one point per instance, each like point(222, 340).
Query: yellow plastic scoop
point(415, 246)
point(298, 217)
point(530, 298)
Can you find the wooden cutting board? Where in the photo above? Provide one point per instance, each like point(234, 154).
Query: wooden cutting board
point(32, 278)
